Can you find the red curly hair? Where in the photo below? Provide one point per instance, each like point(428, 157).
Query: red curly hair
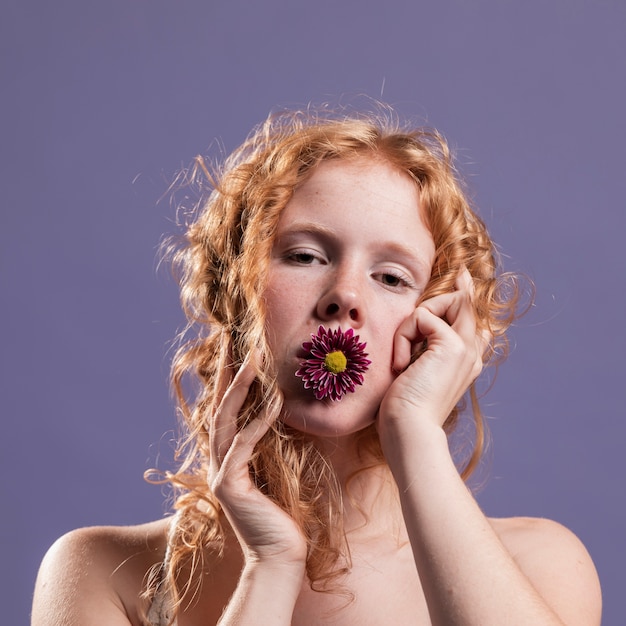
point(223, 267)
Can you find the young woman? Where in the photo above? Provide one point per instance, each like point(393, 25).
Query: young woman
point(343, 298)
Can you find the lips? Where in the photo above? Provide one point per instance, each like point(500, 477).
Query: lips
point(302, 354)
point(334, 363)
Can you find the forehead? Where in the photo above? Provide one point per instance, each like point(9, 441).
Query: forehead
point(371, 183)
point(344, 168)
point(361, 199)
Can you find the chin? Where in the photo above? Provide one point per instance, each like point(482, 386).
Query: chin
point(324, 418)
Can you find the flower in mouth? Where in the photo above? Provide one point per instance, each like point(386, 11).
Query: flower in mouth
point(335, 363)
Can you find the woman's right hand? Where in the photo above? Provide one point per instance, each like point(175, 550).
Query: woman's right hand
point(268, 535)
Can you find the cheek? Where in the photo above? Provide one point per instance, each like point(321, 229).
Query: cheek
point(276, 305)
point(380, 346)
point(284, 320)
point(383, 338)
point(288, 304)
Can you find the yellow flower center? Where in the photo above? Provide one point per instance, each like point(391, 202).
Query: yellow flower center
point(335, 362)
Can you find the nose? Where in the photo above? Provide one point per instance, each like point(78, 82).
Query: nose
point(342, 301)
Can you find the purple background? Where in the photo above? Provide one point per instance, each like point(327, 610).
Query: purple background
point(103, 102)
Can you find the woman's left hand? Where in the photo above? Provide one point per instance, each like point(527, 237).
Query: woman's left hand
point(495, 569)
point(430, 388)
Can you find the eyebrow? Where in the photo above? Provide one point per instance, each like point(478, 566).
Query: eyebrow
point(411, 254)
point(307, 228)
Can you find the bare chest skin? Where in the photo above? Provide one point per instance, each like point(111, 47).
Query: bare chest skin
point(382, 587)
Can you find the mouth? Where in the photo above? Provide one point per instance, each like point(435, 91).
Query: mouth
point(302, 354)
point(333, 363)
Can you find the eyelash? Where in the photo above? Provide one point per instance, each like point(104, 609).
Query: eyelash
point(295, 256)
point(306, 257)
point(403, 279)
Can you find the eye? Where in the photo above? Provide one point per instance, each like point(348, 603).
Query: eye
point(391, 280)
point(395, 280)
point(302, 257)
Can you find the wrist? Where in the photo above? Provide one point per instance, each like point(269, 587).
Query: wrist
point(266, 591)
point(416, 446)
point(273, 574)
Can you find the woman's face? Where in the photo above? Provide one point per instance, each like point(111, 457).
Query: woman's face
point(352, 251)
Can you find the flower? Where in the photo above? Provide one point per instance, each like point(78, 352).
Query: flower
point(335, 363)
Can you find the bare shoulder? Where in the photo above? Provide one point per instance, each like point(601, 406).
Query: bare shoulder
point(557, 563)
point(97, 574)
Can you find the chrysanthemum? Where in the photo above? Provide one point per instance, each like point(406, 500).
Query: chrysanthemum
point(335, 363)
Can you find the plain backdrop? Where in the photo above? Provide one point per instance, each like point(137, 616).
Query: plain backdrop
point(103, 102)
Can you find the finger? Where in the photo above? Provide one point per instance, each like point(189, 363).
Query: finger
point(231, 482)
point(406, 341)
point(440, 335)
point(409, 339)
point(224, 423)
point(224, 378)
point(465, 318)
point(429, 325)
point(432, 326)
point(452, 310)
point(243, 444)
point(465, 282)
point(484, 336)
point(456, 307)
point(224, 374)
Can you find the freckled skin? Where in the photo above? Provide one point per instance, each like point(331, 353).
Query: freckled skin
point(352, 251)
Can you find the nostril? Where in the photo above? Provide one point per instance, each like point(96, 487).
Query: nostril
point(353, 314)
point(331, 309)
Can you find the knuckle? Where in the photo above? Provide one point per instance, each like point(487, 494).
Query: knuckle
point(477, 367)
point(457, 346)
point(222, 484)
point(216, 485)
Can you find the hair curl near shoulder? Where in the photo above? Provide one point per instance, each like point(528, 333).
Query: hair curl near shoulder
point(222, 268)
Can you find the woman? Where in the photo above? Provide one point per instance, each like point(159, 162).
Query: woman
point(342, 298)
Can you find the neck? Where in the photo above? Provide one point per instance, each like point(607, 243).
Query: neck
point(369, 494)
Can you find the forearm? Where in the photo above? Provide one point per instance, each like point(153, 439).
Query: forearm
point(265, 594)
point(467, 574)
